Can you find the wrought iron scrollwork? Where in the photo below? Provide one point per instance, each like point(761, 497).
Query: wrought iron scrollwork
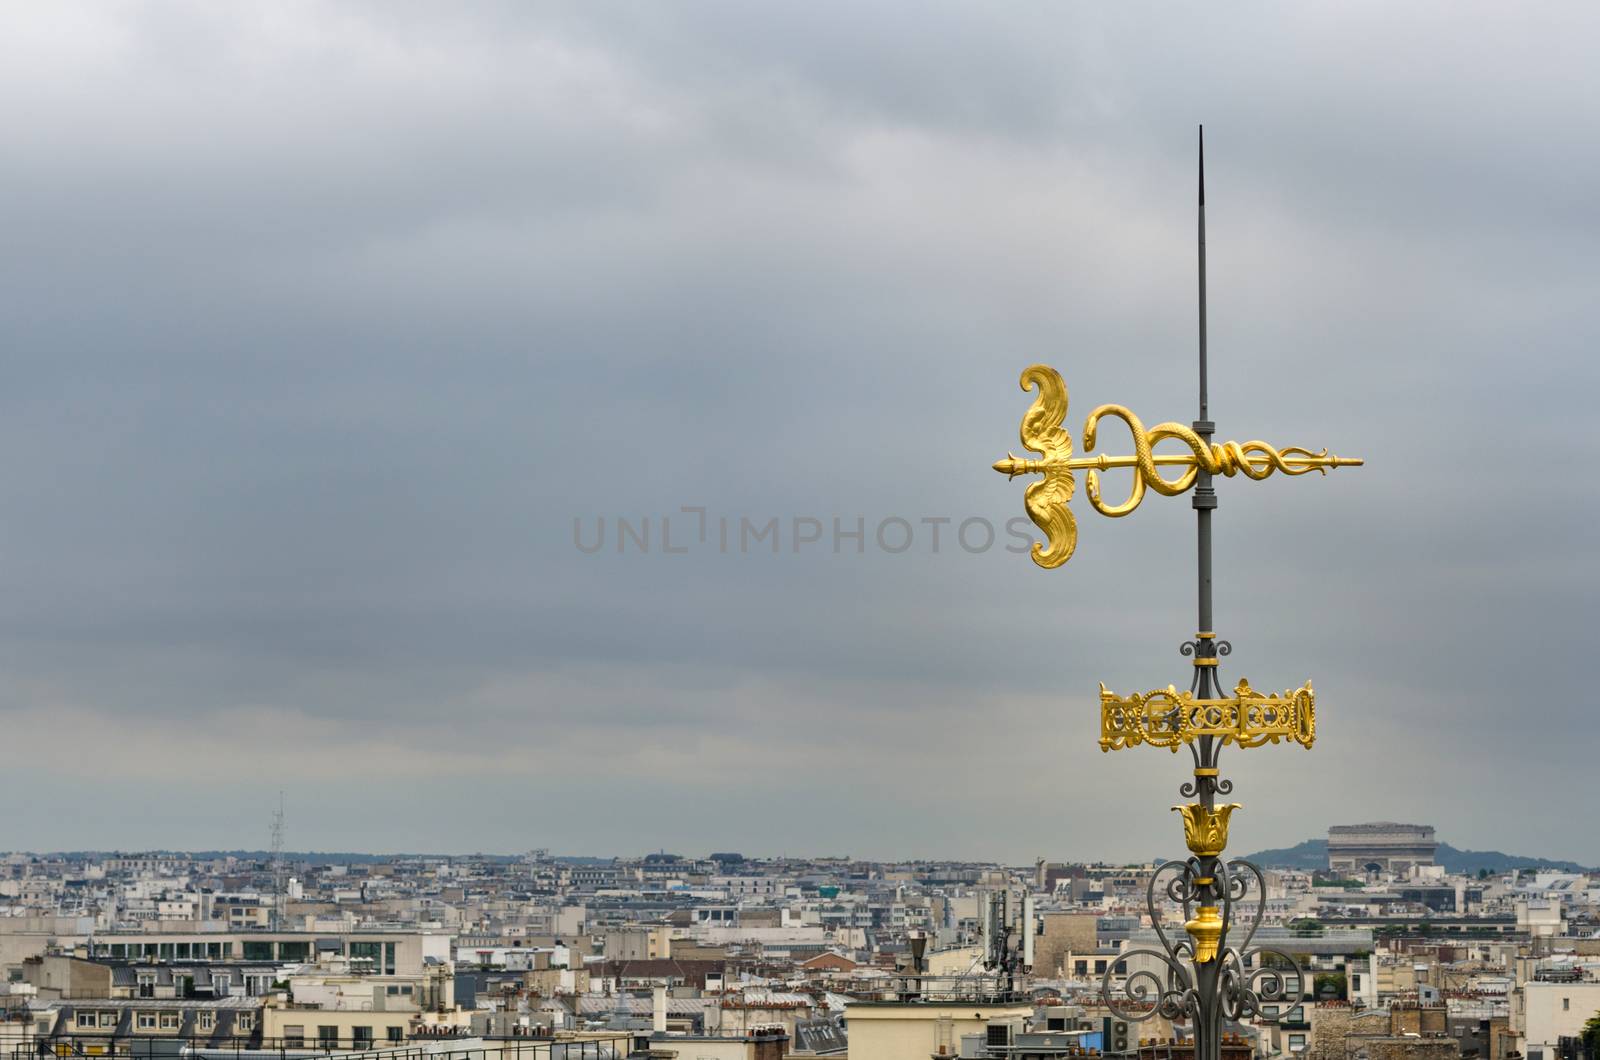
point(1217, 785)
point(1245, 980)
point(1149, 993)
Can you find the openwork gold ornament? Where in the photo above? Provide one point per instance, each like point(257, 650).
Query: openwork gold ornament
point(1206, 831)
point(1167, 718)
point(1206, 930)
point(1046, 501)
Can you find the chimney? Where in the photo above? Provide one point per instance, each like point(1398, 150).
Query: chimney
point(919, 946)
point(658, 1009)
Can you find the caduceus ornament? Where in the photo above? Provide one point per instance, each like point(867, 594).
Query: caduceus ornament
point(1043, 432)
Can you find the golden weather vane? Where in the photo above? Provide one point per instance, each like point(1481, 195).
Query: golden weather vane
point(1046, 500)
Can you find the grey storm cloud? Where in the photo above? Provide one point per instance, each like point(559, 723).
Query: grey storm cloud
point(326, 325)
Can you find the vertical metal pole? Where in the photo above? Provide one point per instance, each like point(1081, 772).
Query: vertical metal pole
point(1205, 496)
point(1208, 1019)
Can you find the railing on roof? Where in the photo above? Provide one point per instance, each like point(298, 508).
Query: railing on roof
point(592, 1046)
point(935, 989)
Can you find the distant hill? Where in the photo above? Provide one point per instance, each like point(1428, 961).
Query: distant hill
point(1309, 856)
point(1313, 854)
point(1470, 861)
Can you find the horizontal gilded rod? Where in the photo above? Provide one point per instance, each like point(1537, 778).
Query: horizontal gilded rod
point(1013, 466)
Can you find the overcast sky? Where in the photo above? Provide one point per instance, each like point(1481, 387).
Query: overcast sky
point(325, 326)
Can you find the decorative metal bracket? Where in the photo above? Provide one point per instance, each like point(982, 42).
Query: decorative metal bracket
point(1046, 500)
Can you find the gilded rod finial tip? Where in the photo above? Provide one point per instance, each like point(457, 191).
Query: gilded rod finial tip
point(1010, 467)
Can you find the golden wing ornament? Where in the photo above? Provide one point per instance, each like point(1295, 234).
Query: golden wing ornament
point(1042, 433)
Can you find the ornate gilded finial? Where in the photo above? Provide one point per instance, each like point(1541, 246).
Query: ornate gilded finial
point(1205, 831)
point(1206, 930)
point(1046, 501)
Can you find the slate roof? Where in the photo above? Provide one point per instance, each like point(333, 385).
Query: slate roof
point(820, 1036)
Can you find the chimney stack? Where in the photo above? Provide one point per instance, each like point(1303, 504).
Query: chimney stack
point(658, 1009)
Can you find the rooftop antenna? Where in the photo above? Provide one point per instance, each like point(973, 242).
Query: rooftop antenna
point(1007, 925)
point(277, 865)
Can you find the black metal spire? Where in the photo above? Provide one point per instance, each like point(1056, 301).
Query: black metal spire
point(1204, 396)
point(1205, 497)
